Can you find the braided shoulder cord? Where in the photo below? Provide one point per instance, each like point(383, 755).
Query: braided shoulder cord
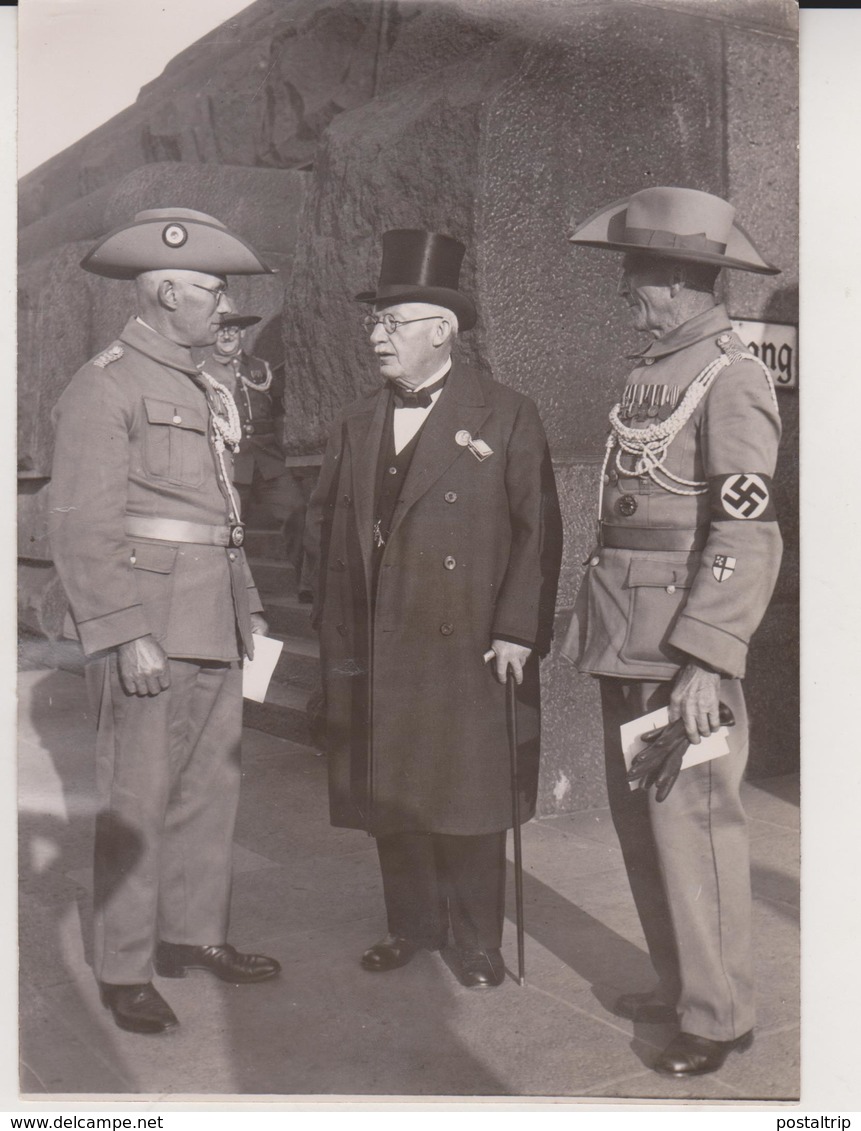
point(650, 446)
point(226, 430)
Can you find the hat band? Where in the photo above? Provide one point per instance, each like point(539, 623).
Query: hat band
point(654, 237)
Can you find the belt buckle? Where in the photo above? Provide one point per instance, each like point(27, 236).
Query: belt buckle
point(236, 534)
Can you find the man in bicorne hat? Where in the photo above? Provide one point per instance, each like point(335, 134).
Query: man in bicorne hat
point(437, 517)
point(259, 470)
point(687, 557)
point(147, 538)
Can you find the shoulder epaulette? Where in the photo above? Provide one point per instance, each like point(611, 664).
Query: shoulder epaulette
point(112, 353)
point(735, 352)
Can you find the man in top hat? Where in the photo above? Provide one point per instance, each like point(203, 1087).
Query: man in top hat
point(147, 538)
point(687, 557)
point(437, 517)
point(259, 471)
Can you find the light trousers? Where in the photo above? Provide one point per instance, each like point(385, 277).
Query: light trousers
point(688, 865)
point(167, 779)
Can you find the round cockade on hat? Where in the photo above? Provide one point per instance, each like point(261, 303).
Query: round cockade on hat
point(671, 222)
point(174, 235)
point(420, 266)
point(161, 239)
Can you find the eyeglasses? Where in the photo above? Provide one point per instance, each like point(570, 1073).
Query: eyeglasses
point(217, 292)
point(390, 323)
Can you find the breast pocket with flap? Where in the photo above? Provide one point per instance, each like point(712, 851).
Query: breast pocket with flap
point(175, 445)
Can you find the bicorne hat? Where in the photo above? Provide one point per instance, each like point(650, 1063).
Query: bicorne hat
point(674, 223)
point(421, 266)
point(165, 238)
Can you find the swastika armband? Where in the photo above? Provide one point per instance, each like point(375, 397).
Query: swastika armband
point(744, 495)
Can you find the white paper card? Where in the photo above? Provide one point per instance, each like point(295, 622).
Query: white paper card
point(712, 747)
point(257, 673)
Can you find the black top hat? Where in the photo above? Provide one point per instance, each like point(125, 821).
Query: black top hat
point(421, 266)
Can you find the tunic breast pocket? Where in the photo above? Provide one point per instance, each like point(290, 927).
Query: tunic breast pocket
point(175, 446)
point(658, 590)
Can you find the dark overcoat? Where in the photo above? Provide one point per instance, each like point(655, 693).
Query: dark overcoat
point(416, 726)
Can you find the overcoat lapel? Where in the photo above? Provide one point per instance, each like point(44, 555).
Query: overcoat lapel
point(461, 407)
point(365, 430)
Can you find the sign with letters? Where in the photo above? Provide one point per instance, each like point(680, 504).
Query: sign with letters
point(775, 344)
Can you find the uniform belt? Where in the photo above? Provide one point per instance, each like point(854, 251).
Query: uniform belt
point(175, 530)
point(652, 538)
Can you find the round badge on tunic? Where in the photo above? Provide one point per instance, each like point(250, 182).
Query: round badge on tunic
point(627, 505)
point(237, 535)
point(174, 235)
point(462, 437)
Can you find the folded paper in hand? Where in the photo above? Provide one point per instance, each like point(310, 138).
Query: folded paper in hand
point(257, 673)
point(707, 748)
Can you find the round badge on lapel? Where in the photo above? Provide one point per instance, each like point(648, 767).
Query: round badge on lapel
point(174, 235)
point(462, 437)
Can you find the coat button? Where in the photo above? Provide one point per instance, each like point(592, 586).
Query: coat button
point(177, 419)
point(446, 629)
point(449, 562)
point(451, 496)
point(347, 500)
point(232, 555)
point(671, 589)
point(648, 361)
point(595, 561)
point(393, 471)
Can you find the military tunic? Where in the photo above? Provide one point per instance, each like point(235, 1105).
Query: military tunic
point(685, 565)
point(133, 442)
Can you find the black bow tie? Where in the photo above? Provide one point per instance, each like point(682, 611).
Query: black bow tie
point(407, 398)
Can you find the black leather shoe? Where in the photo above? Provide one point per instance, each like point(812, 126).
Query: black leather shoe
point(174, 960)
point(645, 1008)
point(139, 1008)
point(481, 969)
point(689, 1055)
point(388, 954)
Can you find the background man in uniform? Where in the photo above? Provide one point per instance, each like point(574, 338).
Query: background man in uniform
point(687, 559)
point(437, 517)
point(259, 471)
point(146, 535)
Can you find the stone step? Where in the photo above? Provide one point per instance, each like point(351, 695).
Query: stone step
point(287, 617)
point(263, 543)
point(272, 576)
point(299, 663)
point(283, 714)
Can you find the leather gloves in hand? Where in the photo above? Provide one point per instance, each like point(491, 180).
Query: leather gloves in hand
point(659, 764)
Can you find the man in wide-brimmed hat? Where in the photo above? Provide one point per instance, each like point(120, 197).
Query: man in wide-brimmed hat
point(147, 537)
point(437, 516)
point(259, 469)
point(685, 565)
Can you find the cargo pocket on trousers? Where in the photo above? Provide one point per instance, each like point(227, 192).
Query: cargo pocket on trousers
point(154, 564)
point(658, 590)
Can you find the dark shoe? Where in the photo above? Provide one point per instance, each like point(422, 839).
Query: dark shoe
point(645, 1008)
point(481, 969)
point(174, 960)
point(388, 954)
point(689, 1055)
point(139, 1008)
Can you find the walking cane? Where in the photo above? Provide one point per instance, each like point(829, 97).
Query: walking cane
point(511, 714)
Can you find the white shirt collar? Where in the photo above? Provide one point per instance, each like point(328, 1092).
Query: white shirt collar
point(446, 365)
